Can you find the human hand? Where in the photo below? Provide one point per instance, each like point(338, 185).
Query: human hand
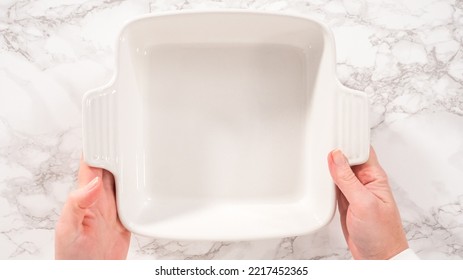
point(89, 227)
point(369, 216)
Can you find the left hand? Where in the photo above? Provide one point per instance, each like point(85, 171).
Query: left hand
point(89, 227)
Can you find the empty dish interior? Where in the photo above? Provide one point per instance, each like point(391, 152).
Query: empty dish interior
point(222, 134)
point(224, 122)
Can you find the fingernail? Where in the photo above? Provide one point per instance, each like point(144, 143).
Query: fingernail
point(339, 158)
point(92, 184)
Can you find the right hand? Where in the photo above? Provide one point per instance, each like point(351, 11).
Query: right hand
point(370, 218)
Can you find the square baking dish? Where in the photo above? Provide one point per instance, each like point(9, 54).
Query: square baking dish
point(217, 125)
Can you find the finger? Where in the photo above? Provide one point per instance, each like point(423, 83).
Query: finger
point(110, 198)
point(342, 207)
point(344, 177)
point(373, 159)
point(371, 170)
point(87, 173)
point(109, 193)
point(87, 196)
point(108, 180)
point(79, 201)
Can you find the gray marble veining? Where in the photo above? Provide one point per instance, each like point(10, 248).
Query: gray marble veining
point(407, 56)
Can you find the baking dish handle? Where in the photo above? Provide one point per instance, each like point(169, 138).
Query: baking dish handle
point(98, 127)
point(353, 128)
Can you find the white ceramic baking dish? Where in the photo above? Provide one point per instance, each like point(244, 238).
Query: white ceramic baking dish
point(217, 125)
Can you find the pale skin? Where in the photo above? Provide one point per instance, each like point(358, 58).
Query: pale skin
point(369, 216)
point(89, 227)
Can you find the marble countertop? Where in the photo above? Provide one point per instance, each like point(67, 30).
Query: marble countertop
point(406, 55)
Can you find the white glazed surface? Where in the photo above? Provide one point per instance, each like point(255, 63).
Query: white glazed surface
point(406, 55)
point(216, 126)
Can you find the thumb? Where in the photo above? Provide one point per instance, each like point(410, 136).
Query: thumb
point(81, 199)
point(344, 177)
point(74, 211)
point(87, 196)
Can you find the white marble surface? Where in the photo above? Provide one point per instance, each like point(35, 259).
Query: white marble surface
point(407, 55)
